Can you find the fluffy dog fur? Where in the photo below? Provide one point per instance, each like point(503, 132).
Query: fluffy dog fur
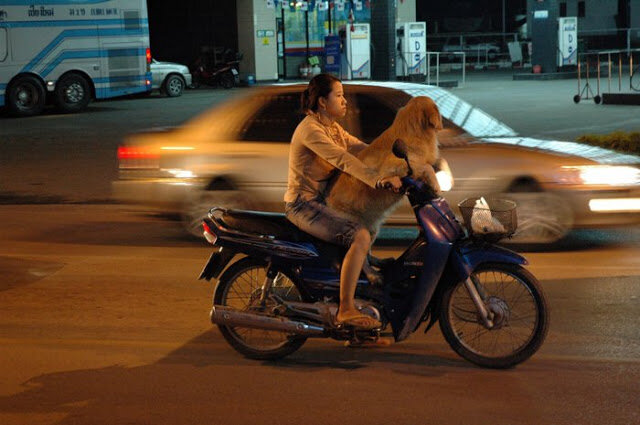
point(416, 124)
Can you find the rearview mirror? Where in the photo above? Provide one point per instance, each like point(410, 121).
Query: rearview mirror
point(399, 149)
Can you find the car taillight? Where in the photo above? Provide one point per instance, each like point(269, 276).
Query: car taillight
point(133, 152)
point(148, 55)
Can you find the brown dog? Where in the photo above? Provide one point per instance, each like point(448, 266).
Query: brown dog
point(416, 124)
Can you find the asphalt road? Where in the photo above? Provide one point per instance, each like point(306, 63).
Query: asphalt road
point(104, 322)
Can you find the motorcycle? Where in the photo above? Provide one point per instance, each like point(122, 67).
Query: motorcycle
point(490, 309)
point(223, 75)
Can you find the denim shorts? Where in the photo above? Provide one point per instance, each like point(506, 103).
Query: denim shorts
point(317, 219)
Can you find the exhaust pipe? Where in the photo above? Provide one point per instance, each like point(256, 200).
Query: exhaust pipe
point(223, 315)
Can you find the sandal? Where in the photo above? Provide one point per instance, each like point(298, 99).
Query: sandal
point(360, 321)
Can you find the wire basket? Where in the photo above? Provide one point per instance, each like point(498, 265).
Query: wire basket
point(490, 219)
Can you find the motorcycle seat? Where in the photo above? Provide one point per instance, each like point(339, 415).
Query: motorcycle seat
point(265, 223)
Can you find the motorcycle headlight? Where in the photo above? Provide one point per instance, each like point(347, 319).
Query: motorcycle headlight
point(600, 175)
point(445, 180)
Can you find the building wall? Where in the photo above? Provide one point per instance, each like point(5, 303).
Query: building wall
point(406, 11)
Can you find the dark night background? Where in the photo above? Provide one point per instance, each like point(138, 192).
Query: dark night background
point(180, 29)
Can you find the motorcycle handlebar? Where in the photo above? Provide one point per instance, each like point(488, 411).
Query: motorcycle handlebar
point(410, 184)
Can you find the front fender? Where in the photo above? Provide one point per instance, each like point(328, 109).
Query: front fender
point(470, 255)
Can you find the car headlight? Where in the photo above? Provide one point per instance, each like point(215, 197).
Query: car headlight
point(600, 175)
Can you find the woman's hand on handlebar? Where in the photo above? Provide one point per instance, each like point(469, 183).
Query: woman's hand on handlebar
point(390, 183)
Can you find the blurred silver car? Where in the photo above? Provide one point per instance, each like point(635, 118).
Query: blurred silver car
point(236, 155)
point(170, 78)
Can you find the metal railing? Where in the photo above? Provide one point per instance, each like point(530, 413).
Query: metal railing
point(621, 59)
point(437, 66)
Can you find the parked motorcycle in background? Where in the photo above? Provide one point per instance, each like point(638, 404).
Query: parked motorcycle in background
point(212, 71)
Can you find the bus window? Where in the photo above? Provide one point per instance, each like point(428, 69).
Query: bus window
point(3, 44)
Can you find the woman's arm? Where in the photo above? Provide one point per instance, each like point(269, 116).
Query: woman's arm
point(354, 145)
point(319, 142)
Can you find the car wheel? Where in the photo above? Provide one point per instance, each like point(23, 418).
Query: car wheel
point(26, 96)
point(173, 86)
point(199, 203)
point(72, 93)
point(543, 218)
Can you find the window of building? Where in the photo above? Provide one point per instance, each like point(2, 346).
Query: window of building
point(563, 9)
point(581, 9)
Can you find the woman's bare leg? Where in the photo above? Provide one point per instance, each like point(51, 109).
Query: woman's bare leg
point(351, 268)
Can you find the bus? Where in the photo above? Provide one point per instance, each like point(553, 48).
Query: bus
point(68, 52)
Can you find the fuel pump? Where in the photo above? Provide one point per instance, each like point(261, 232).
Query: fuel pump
point(357, 55)
point(411, 45)
point(567, 41)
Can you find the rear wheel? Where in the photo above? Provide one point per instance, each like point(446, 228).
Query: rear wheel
point(543, 217)
point(240, 287)
point(518, 308)
point(26, 96)
point(72, 93)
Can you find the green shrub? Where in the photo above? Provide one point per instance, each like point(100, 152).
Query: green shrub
point(618, 140)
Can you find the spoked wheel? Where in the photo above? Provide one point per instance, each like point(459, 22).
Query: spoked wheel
point(517, 307)
point(240, 288)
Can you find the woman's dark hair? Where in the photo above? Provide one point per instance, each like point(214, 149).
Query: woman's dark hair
point(319, 86)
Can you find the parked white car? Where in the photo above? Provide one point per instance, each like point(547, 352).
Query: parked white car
point(169, 77)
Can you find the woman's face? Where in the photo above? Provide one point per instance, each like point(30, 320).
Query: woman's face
point(335, 105)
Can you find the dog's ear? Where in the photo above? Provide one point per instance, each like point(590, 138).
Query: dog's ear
point(433, 117)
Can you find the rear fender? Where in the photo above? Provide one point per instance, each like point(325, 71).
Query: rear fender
point(217, 262)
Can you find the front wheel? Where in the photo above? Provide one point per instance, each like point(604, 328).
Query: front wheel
point(227, 80)
point(517, 307)
point(173, 86)
point(240, 287)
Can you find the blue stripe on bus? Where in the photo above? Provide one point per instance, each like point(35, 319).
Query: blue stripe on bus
point(73, 23)
point(87, 32)
point(40, 2)
point(1, 100)
point(120, 79)
point(84, 54)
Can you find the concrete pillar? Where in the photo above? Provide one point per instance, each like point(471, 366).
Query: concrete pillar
point(383, 37)
point(406, 11)
point(542, 24)
point(257, 40)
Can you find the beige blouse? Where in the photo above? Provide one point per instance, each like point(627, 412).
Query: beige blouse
point(316, 151)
